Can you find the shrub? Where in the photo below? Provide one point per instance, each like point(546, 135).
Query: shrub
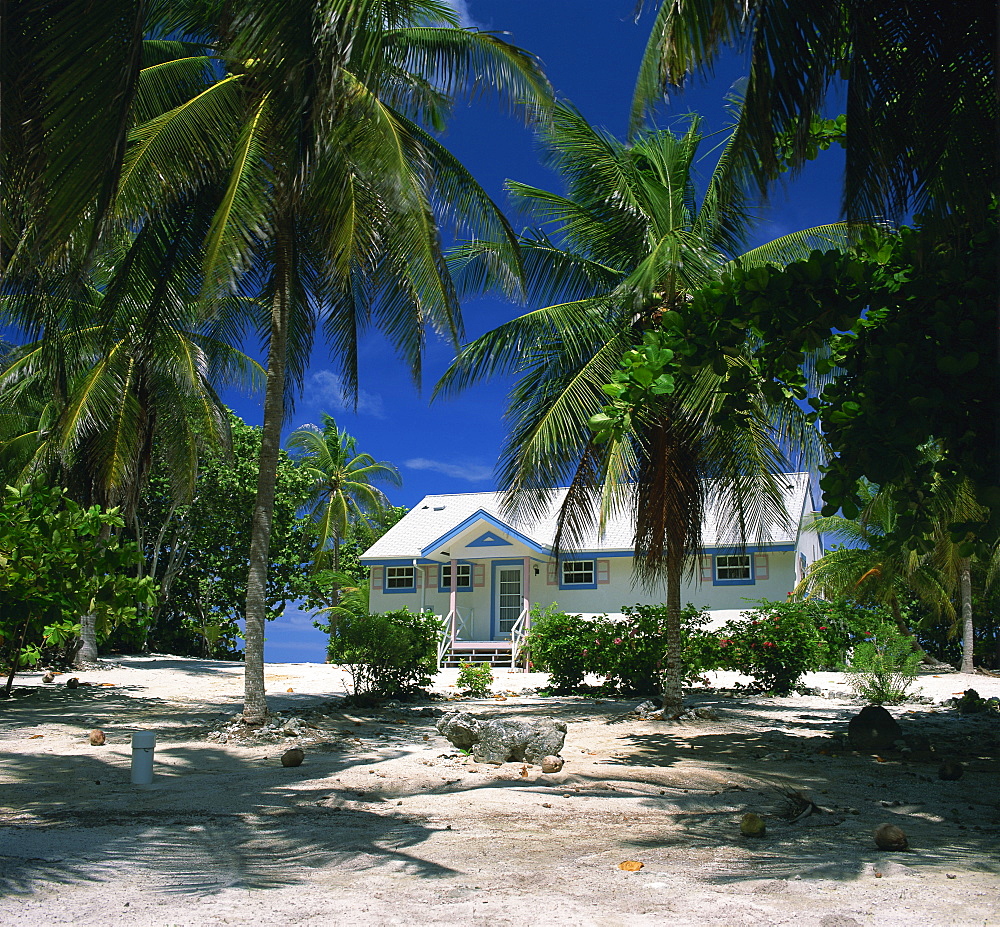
point(883, 667)
point(773, 646)
point(388, 654)
point(632, 649)
point(476, 678)
point(627, 651)
point(777, 642)
point(563, 645)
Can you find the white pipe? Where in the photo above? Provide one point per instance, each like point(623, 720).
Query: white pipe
point(143, 744)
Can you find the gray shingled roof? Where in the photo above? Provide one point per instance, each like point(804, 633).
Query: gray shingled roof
point(436, 515)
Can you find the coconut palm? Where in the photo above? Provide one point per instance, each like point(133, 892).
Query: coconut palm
point(343, 490)
point(954, 532)
point(633, 241)
point(869, 569)
point(122, 367)
point(333, 192)
point(920, 89)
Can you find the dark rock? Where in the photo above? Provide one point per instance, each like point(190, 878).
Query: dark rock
point(72, 682)
point(890, 837)
point(293, 757)
point(951, 771)
point(873, 729)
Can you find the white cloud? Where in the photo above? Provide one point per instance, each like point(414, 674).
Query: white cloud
point(459, 470)
point(462, 8)
point(325, 392)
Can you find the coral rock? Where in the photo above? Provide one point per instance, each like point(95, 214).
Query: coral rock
point(552, 764)
point(97, 737)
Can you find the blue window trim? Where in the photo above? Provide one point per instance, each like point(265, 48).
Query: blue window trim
point(571, 586)
point(404, 590)
point(472, 577)
point(749, 552)
point(493, 590)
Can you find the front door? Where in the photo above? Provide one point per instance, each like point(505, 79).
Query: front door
point(510, 599)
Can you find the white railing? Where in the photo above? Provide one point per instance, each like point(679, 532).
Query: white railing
point(454, 626)
point(518, 632)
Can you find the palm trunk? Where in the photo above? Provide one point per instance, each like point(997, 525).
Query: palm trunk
point(254, 701)
point(673, 677)
point(968, 638)
point(86, 653)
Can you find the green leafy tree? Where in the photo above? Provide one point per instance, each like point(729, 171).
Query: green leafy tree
point(342, 487)
point(198, 550)
point(633, 243)
point(910, 316)
point(58, 563)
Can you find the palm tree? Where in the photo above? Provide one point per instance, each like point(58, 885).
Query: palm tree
point(123, 366)
point(342, 488)
point(68, 76)
point(960, 517)
point(333, 190)
point(633, 242)
point(869, 567)
point(920, 84)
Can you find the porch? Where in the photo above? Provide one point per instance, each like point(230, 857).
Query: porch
point(455, 647)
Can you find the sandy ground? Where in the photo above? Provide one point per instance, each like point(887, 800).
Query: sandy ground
point(385, 823)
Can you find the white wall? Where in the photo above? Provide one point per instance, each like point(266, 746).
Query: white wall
point(607, 598)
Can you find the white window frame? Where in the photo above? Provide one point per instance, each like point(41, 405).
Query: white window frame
point(726, 566)
point(400, 579)
point(572, 570)
point(463, 574)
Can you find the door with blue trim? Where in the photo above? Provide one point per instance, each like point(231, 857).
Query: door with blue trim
point(510, 598)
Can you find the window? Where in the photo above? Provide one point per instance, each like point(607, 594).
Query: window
point(400, 578)
point(578, 573)
point(732, 567)
point(463, 575)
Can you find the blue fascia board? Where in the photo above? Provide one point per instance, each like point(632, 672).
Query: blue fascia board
point(493, 522)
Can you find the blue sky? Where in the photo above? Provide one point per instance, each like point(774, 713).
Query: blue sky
point(590, 50)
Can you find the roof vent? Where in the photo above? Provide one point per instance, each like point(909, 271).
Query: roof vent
point(438, 508)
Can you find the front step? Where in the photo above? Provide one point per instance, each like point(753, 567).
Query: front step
point(495, 653)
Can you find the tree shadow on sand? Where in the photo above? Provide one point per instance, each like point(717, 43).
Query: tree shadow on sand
point(211, 822)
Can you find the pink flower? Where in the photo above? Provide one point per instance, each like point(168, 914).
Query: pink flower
point(768, 644)
point(618, 640)
point(822, 627)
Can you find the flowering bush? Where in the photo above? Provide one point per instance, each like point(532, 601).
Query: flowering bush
point(774, 648)
point(564, 645)
point(627, 651)
point(475, 678)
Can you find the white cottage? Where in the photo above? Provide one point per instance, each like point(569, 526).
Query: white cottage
point(458, 557)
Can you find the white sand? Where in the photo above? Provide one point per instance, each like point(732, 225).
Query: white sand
point(385, 823)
